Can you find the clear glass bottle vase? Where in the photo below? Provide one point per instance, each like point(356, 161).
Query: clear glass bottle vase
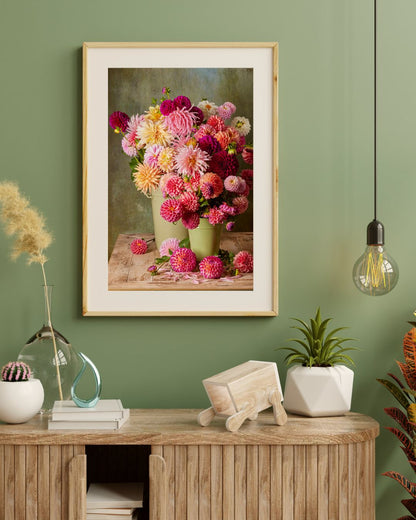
point(51, 358)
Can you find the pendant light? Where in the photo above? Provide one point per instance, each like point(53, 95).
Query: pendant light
point(375, 273)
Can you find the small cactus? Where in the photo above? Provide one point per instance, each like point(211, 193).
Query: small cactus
point(15, 371)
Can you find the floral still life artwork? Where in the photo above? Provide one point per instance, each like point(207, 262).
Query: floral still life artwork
point(180, 178)
point(189, 158)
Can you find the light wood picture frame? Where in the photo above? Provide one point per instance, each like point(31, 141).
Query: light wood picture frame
point(121, 76)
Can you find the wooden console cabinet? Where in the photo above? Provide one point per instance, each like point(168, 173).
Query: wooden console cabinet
point(308, 469)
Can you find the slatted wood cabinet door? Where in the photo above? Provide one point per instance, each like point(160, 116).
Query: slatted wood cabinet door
point(40, 482)
point(263, 482)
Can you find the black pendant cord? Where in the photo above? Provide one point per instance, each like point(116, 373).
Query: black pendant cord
point(375, 109)
point(375, 229)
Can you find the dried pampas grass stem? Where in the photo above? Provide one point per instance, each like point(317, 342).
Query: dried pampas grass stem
point(27, 224)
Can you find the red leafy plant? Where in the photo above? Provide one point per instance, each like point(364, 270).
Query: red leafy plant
point(405, 394)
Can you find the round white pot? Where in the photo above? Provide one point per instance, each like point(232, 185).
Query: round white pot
point(318, 391)
point(20, 400)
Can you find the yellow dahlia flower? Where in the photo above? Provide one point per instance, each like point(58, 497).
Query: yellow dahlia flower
point(154, 132)
point(146, 178)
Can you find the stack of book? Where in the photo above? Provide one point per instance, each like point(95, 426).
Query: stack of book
point(107, 414)
point(114, 501)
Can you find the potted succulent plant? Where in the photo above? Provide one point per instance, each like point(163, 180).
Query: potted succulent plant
point(319, 384)
point(21, 397)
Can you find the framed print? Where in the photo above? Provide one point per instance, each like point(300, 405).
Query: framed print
point(180, 179)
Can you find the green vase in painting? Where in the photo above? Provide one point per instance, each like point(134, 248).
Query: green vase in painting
point(162, 228)
point(205, 239)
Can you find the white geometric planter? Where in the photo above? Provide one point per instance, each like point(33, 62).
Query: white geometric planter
point(318, 391)
point(20, 400)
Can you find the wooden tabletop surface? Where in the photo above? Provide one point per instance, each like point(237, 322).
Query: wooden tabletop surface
point(180, 427)
point(128, 272)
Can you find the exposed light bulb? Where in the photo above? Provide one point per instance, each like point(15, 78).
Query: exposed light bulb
point(375, 273)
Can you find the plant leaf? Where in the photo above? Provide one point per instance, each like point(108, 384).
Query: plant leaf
point(409, 486)
point(400, 418)
point(411, 412)
point(396, 392)
point(396, 379)
point(409, 349)
point(410, 505)
point(403, 438)
point(408, 373)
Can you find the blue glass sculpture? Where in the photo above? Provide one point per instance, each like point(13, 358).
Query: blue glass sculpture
point(86, 403)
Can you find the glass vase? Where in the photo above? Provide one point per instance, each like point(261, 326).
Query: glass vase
point(51, 358)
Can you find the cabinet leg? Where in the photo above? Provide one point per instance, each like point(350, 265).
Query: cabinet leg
point(206, 416)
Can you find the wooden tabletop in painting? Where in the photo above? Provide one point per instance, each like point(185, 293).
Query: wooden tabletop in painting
point(180, 427)
point(128, 272)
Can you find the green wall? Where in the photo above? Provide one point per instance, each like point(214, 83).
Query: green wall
point(325, 188)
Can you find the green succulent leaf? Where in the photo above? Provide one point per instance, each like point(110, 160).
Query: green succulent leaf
point(316, 349)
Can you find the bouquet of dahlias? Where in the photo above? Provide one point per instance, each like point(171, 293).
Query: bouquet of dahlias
point(191, 153)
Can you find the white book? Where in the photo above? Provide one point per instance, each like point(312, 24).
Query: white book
point(111, 511)
point(111, 424)
point(105, 409)
point(115, 495)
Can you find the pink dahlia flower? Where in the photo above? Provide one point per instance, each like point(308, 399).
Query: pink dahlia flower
point(174, 186)
point(190, 220)
point(241, 204)
point(211, 267)
point(170, 244)
point(203, 131)
point(134, 123)
point(138, 247)
point(223, 138)
point(209, 144)
point(151, 155)
point(199, 115)
point(217, 123)
point(189, 202)
point(163, 180)
point(247, 175)
point(247, 154)
point(230, 226)
point(243, 261)
point(128, 144)
point(183, 260)
point(180, 122)
point(227, 209)
point(182, 102)
point(167, 106)
point(171, 210)
point(189, 160)
point(241, 144)
point(119, 121)
point(211, 185)
point(226, 110)
point(234, 184)
point(192, 183)
point(216, 216)
point(224, 164)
